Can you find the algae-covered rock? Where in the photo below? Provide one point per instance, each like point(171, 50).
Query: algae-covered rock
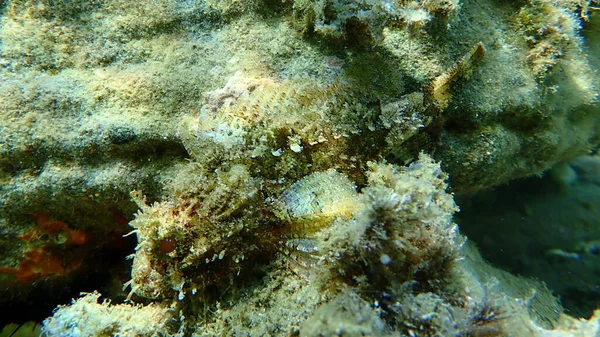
point(351, 19)
point(277, 151)
point(86, 317)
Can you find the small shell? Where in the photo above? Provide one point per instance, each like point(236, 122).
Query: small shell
point(314, 201)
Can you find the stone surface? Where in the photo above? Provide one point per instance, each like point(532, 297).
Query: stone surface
point(221, 116)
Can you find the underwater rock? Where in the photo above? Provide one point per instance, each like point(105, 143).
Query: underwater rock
point(350, 19)
point(277, 151)
point(86, 317)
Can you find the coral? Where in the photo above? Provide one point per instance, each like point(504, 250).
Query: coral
point(51, 249)
point(58, 230)
point(36, 264)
